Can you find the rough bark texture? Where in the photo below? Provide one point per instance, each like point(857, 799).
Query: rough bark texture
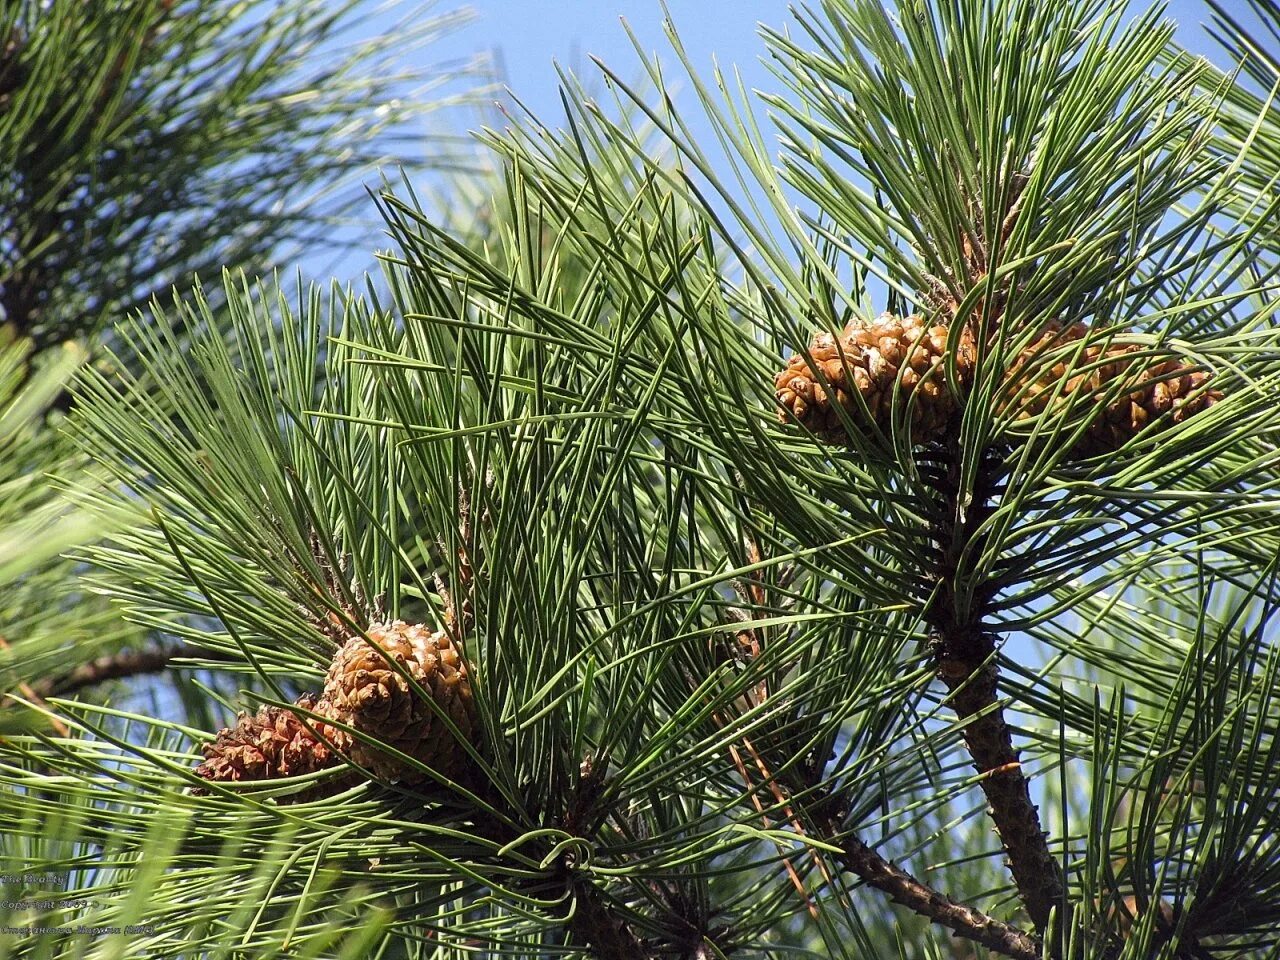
point(965, 656)
point(964, 921)
point(1037, 874)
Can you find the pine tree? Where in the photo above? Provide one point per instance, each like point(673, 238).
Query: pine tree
point(567, 627)
point(144, 143)
point(147, 141)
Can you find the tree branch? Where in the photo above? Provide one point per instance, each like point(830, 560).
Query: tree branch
point(597, 926)
point(903, 888)
point(1036, 872)
point(118, 666)
point(31, 694)
point(917, 896)
point(862, 860)
point(965, 655)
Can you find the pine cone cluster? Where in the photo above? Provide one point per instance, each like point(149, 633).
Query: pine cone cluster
point(864, 368)
point(365, 692)
point(269, 745)
point(1129, 394)
point(869, 368)
point(369, 695)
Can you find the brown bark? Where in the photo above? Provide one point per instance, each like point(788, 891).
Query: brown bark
point(1037, 874)
point(911, 893)
point(601, 929)
point(117, 666)
point(964, 652)
point(860, 859)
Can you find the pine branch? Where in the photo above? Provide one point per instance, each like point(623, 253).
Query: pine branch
point(597, 926)
point(965, 652)
point(46, 188)
point(26, 288)
point(901, 886)
point(919, 897)
point(904, 889)
point(32, 694)
point(128, 128)
point(1035, 871)
point(118, 666)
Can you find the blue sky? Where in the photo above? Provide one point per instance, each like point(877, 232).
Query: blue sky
point(526, 39)
point(527, 36)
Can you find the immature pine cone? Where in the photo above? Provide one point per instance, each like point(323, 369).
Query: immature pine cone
point(366, 693)
point(1163, 386)
point(272, 744)
point(872, 358)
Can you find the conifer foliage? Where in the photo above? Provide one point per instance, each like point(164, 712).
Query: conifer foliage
point(571, 626)
point(144, 141)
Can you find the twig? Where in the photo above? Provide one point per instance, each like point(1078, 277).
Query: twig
point(750, 641)
point(873, 869)
point(905, 889)
point(31, 693)
point(964, 652)
point(117, 666)
point(759, 805)
point(459, 618)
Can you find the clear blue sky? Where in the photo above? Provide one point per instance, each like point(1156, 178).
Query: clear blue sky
point(527, 36)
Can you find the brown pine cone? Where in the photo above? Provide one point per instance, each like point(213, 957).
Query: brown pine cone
point(1147, 392)
point(269, 745)
point(873, 356)
point(366, 693)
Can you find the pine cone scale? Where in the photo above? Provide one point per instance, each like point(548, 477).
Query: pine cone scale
point(863, 368)
point(1127, 396)
point(272, 744)
point(373, 698)
point(870, 367)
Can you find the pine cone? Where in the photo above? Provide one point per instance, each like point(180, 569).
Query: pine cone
point(872, 358)
point(1147, 392)
point(366, 693)
point(270, 745)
